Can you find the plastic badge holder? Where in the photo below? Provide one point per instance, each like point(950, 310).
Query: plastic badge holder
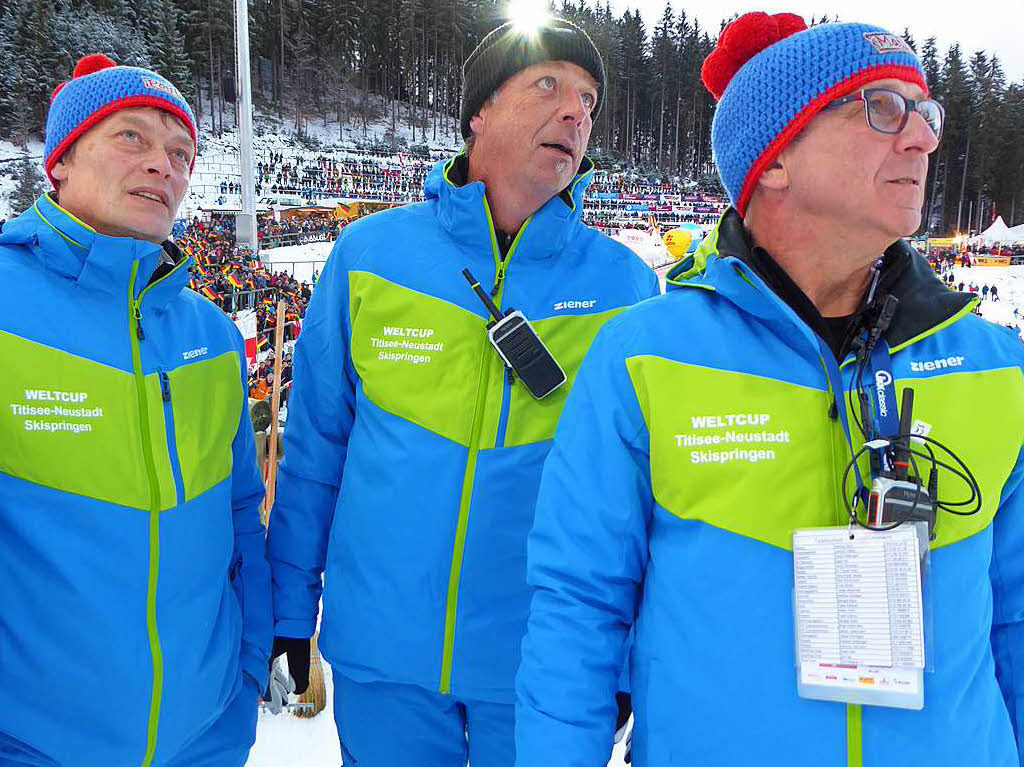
point(837, 583)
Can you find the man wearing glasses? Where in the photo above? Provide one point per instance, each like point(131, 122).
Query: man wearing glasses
point(685, 462)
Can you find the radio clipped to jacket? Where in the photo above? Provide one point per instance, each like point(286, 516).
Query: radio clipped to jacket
point(519, 346)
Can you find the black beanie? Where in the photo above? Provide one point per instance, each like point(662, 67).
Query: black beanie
point(507, 50)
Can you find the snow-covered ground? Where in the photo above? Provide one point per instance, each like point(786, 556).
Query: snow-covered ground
point(1010, 282)
point(298, 260)
point(648, 245)
point(285, 740)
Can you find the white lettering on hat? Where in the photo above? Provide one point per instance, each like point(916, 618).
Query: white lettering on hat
point(157, 85)
point(886, 42)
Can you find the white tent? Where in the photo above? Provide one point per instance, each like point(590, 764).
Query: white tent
point(1015, 235)
point(1000, 234)
point(997, 233)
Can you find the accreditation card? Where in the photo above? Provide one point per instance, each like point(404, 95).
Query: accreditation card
point(859, 615)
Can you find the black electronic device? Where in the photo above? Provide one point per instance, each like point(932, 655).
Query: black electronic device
point(893, 501)
point(896, 496)
point(520, 347)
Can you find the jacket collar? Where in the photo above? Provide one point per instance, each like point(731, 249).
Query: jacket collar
point(463, 211)
point(728, 262)
point(73, 250)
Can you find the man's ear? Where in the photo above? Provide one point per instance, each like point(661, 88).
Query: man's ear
point(776, 176)
point(60, 170)
point(476, 121)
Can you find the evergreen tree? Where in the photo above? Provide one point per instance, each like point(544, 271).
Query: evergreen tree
point(663, 66)
point(364, 59)
point(29, 186)
point(909, 38)
point(10, 75)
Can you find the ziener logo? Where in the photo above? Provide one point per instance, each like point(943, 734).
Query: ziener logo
point(191, 354)
point(930, 365)
point(588, 304)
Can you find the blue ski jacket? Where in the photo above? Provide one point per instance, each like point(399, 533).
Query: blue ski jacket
point(134, 586)
point(700, 434)
point(412, 457)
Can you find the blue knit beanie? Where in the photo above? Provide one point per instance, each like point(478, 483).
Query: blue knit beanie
point(771, 75)
point(99, 87)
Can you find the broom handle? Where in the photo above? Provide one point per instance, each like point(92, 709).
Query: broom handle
point(275, 403)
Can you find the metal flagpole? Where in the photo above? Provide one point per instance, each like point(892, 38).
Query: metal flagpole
point(245, 224)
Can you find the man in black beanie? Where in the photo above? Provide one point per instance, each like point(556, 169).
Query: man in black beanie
point(528, 144)
point(413, 452)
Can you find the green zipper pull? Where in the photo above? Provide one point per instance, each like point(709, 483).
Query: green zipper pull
point(499, 278)
point(137, 310)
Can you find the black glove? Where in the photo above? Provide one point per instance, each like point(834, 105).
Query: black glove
point(297, 651)
point(625, 705)
point(622, 700)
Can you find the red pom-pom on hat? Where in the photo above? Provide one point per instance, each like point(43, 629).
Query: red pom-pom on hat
point(86, 65)
point(743, 39)
point(94, 62)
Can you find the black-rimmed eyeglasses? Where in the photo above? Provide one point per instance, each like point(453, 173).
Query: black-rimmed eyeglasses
point(887, 111)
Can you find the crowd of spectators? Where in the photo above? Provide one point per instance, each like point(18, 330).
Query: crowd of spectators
point(996, 250)
point(343, 174)
point(274, 234)
point(261, 377)
point(614, 200)
point(625, 200)
point(234, 279)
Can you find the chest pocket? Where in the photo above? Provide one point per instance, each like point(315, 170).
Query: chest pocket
point(742, 452)
point(418, 357)
point(70, 424)
point(980, 416)
point(206, 398)
point(568, 337)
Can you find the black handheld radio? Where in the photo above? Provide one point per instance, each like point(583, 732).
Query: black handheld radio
point(520, 346)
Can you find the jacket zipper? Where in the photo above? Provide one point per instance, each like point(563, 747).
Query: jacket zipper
point(854, 712)
point(487, 358)
point(137, 337)
point(510, 376)
point(172, 443)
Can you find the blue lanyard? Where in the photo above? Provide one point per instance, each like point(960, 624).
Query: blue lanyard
point(885, 414)
point(887, 417)
point(835, 378)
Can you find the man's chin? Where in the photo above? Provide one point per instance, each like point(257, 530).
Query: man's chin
point(910, 225)
point(157, 236)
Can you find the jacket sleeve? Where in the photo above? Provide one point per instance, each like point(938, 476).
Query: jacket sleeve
point(585, 563)
point(250, 543)
point(1007, 571)
point(320, 415)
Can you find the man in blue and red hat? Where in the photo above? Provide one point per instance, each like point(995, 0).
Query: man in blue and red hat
point(713, 428)
point(134, 587)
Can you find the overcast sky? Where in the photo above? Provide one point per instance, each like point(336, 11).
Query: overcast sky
point(997, 26)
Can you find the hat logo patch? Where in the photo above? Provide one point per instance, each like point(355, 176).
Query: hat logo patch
point(157, 85)
point(886, 42)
